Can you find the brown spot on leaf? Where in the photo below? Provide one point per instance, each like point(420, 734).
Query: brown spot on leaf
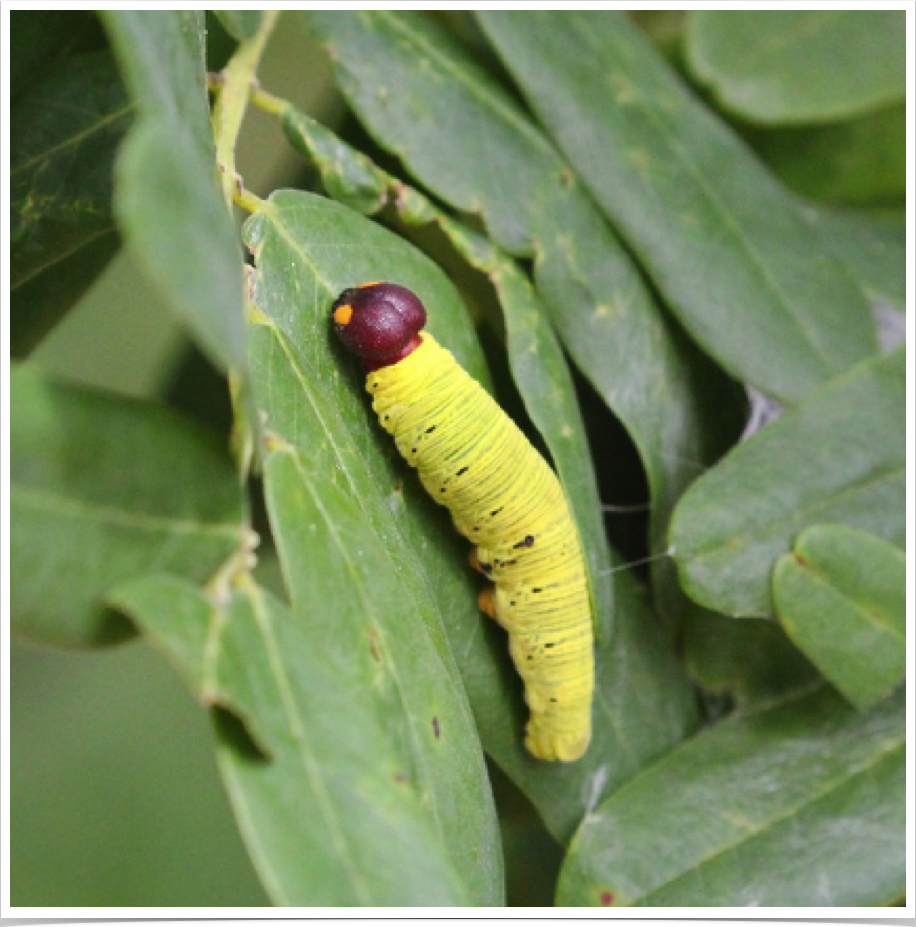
point(436, 726)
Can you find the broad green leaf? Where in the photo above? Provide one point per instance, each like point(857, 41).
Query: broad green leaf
point(720, 239)
point(322, 455)
point(306, 250)
point(872, 246)
point(799, 804)
point(799, 66)
point(40, 40)
point(102, 490)
point(330, 808)
point(240, 24)
point(466, 139)
point(837, 457)
point(841, 596)
point(65, 131)
point(161, 55)
point(168, 203)
point(857, 163)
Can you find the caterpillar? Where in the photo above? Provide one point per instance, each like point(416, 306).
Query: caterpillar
point(503, 496)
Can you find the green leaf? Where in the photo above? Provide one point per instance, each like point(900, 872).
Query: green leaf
point(162, 60)
point(342, 511)
point(41, 40)
point(841, 596)
point(801, 804)
point(721, 241)
point(750, 660)
point(168, 202)
point(420, 97)
point(42, 301)
point(857, 163)
point(872, 246)
point(799, 66)
point(331, 809)
point(837, 457)
point(348, 175)
point(65, 131)
point(105, 489)
point(307, 249)
point(240, 24)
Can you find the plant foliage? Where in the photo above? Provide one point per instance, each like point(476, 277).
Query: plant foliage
point(646, 245)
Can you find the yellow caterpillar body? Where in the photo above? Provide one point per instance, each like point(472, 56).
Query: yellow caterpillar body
point(472, 458)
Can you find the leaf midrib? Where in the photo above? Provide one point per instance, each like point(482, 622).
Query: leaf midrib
point(771, 822)
point(74, 140)
point(67, 506)
point(306, 755)
point(877, 621)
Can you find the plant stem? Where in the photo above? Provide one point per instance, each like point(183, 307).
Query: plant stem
point(232, 100)
point(268, 102)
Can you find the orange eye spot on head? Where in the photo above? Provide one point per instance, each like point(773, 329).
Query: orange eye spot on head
point(343, 314)
point(363, 286)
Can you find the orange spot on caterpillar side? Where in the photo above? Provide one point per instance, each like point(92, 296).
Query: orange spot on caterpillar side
point(474, 561)
point(363, 286)
point(607, 899)
point(486, 602)
point(343, 314)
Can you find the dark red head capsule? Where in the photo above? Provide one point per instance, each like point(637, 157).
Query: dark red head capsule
point(379, 322)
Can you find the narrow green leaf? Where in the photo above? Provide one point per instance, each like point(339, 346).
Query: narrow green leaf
point(801, 804)
point(721, 241)
point(347, 174)
point(105, 489)
point(240, 24)
point(307, 249)
point(168, 202)
point(64, 131)
point(799, 66)
point(330, 810)
point(466, 139)
point(841, 596)
point(837, 457)
point(343, 511)
point(857, 163)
